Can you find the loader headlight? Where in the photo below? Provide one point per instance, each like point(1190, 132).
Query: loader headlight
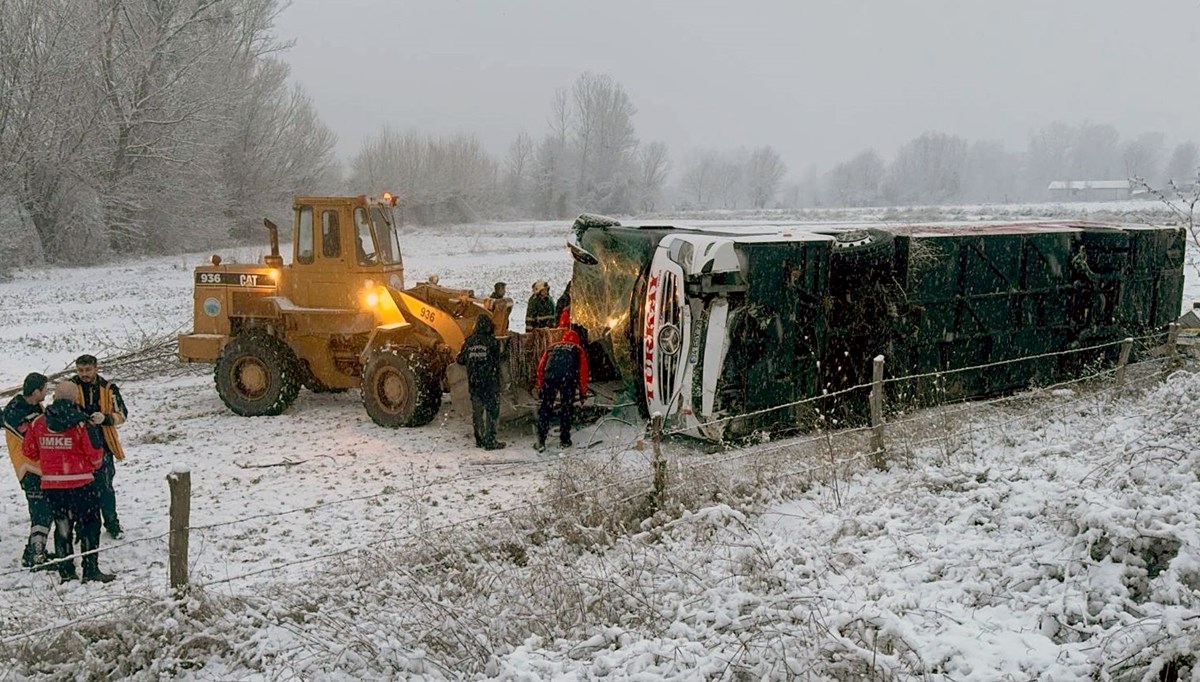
point(371, 299)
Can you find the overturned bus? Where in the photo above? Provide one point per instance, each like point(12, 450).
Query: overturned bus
point(727, 332)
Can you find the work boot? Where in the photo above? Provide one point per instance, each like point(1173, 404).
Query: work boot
point(114, 531)
point(97, 576)
point(566, 443)
point(540, 446)
point(66, 573)
point(497, 445)
point(27, 558)
point(41, 562)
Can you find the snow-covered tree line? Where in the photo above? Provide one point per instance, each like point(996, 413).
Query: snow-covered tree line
point(148, 126)
point(731, 179)
point(940, 168)
point(588, 159)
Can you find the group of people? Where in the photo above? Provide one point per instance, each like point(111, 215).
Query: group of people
point(561, 371)
point(542, 312)
point(64, 457)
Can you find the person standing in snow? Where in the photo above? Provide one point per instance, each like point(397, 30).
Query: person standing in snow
point(480, 354)
point(562, 369)
point(499, 305)
point(101, 400)
point(18, 416)
point(562, 309)
point(60, 442)
point(539, 313)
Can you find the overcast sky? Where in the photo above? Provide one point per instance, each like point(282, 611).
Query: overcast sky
point(820, 81)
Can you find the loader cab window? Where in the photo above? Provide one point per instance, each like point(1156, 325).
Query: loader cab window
point(365, 242)
point(304, 235)
point(385, 229)
point(331, 246)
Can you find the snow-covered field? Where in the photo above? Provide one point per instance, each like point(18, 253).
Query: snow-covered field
point(1052, 538)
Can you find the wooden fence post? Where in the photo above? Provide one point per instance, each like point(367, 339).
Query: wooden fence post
point(1126, 348)
point(659, 464)
point(877, 455)
point(1172, 346)
point(180, 482)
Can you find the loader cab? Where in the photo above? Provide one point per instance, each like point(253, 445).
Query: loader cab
point(339, 243)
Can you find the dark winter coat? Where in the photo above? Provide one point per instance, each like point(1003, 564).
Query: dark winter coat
point(480, 354)
point(564, 362)
point(18, 416)
point(564, 303)
point(539, 314)
point(101, 395)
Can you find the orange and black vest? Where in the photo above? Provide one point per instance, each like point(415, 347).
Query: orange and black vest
point(103, 396)
point(18, 415)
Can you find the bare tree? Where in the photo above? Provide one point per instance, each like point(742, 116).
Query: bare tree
point(700, 177)
point(990, 172)
point(277, 148)
point(1048, 157)
point(856, 182)
point(519, 167)
point(731, 179)
point(928, 169)
point(1094, 154)
point(439, 179)
point(1143, 156)
point(764, 172)
point(552, 184)
point(654, 164)
point(1184, 163)
point(605, 142)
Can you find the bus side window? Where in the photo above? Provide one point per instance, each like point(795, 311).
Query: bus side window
point(304, 240)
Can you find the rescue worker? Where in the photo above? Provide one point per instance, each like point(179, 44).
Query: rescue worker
point(562, 369)
point(539, 313)
point(499, 292)
point(18, 416)
point(59, 440)
point(562, 309)
point(480, 354)
point(101, 400)
point(500, 306)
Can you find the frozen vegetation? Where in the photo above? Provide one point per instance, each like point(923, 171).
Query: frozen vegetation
point(1049, 535)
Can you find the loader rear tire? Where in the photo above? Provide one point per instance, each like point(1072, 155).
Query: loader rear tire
point(257, 375)
point(398, 389)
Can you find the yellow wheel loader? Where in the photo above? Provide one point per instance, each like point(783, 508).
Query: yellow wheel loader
point(339, 316)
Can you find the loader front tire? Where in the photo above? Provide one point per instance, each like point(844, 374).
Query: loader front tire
point(398, 389)
point(257, 375)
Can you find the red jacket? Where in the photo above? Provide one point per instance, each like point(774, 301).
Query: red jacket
point(570, 337)
point(68, 457)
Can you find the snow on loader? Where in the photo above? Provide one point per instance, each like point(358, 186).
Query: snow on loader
point(339, 316)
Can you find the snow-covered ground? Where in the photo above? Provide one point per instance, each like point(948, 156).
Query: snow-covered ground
point(1053, 538)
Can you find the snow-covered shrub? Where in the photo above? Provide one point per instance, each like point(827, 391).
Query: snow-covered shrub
point(19, 246)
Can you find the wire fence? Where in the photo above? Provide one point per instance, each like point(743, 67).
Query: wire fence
point(609, 479)
point(685, 471)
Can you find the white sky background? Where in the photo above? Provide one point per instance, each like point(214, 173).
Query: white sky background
point(820, 81)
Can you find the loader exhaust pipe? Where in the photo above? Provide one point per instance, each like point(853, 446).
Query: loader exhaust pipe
point(274, 260)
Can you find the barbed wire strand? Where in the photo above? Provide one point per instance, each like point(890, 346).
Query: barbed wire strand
point(908, 377)
point(759, 451)
point(969, 406)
